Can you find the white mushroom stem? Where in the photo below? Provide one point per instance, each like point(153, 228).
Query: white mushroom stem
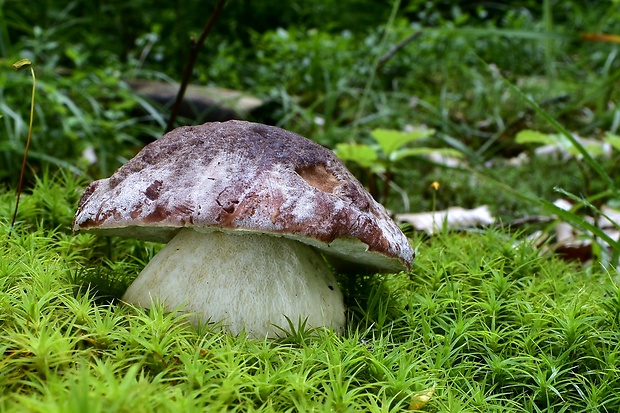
point(245, 281)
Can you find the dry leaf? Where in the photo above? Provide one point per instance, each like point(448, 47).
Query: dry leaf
point(421, 399)
point(453, 217)
point(612, 214)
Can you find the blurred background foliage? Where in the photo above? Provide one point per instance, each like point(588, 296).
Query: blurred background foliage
point(315, 63)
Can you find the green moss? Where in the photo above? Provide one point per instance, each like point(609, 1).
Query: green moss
point(487, 321)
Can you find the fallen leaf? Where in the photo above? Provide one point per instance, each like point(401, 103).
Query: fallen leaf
point(421, 399)
point(453, 217)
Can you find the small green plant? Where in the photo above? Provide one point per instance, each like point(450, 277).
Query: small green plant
point(380, 160)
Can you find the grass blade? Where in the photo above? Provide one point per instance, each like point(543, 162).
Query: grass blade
point(579, 222)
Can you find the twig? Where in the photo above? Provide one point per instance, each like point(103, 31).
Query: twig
point(383, 59)
point(190, 64)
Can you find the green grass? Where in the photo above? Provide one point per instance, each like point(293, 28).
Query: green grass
point(450, 78)
point(488, 322)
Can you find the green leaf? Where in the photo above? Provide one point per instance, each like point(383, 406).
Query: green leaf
point(613, 140)
point(361, 154)
point(594, 149)
point(390, 140)
point(532, 136)
point(560, 141)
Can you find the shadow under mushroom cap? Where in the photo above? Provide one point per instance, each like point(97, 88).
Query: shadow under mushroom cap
point(242, 176)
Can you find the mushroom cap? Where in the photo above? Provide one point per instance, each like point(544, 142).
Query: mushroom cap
point(241, 176)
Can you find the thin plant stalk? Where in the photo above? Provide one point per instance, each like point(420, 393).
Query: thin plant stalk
point(18, 65)
point(549, 42)
point(190, 64)
point(375, 67)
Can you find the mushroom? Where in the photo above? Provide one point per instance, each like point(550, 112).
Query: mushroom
point(252, 215)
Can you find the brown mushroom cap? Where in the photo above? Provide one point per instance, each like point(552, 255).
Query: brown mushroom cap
point(242, 176)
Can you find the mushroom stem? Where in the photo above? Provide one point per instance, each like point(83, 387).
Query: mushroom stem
point(247, 282)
